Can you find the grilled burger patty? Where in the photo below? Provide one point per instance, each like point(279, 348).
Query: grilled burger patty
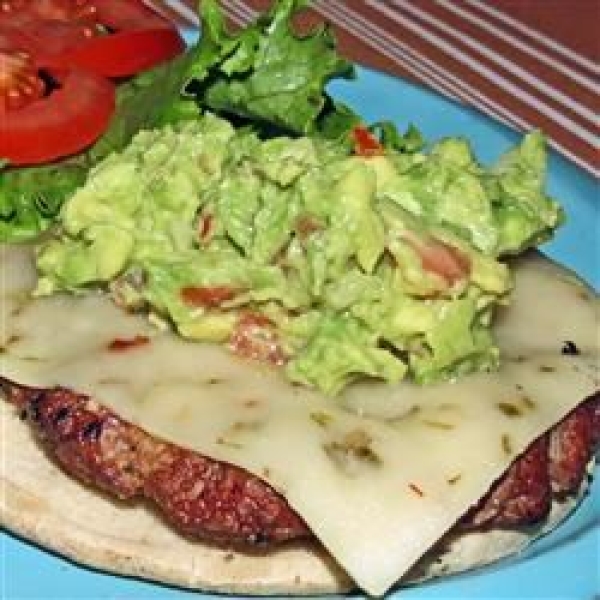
point(219, 502)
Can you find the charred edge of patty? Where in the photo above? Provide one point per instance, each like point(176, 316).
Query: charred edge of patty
point(200, 497)
point(217, 502)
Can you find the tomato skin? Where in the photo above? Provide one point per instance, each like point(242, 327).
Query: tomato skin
point(50, 37)
point(255, 338)
point(129, 14)
point(49, 25)
point(116, 38)
point(445, 261)
point(123, 53)
point(365, 143)
point(207, 296)
point(65, 122)
point(206, 227)
point(440, 258)
point(14, 40)
point(124, 344)
point(79, 11)
point(79, 44)
point(114, 14)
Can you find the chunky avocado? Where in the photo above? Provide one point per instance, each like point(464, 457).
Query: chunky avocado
point(299, 252)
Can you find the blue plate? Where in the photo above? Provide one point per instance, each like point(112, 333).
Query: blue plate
point(564, 565)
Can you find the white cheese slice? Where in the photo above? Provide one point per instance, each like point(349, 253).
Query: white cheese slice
point(380, 473)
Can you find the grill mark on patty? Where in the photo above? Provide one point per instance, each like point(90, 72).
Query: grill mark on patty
point(33, 404)
point(92, 431)
point(213, 500)
point(61, 414)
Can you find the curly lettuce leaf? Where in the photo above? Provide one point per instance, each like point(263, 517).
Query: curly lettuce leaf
point(31, 198)
point(266, 76)
point(270, 73)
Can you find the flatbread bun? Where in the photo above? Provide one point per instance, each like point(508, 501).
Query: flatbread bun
point(43, 504)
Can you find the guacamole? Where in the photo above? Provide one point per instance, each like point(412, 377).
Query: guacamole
point(301, 253)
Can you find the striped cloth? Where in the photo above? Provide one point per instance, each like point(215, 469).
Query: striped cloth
point(528, 63)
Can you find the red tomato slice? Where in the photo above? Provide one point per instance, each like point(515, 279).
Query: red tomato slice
point(129, 14)
point(81, 11)
point(55, 56)
point(13, 39)
point(114, 14)
point(65, 121)
point(54, 25)
point(19, 81)
point(123, 53)
point(115, 39)
point(52, 37)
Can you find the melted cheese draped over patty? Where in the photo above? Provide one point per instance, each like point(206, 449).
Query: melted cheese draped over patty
point(379, 473)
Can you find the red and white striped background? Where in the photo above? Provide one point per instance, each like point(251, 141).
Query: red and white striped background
point(528, 63)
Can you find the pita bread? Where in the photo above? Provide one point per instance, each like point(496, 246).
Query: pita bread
point(44, 505)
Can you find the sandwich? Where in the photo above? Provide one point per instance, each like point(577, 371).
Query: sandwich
point(297, 363)
point(194, 438)
point(135, 488)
